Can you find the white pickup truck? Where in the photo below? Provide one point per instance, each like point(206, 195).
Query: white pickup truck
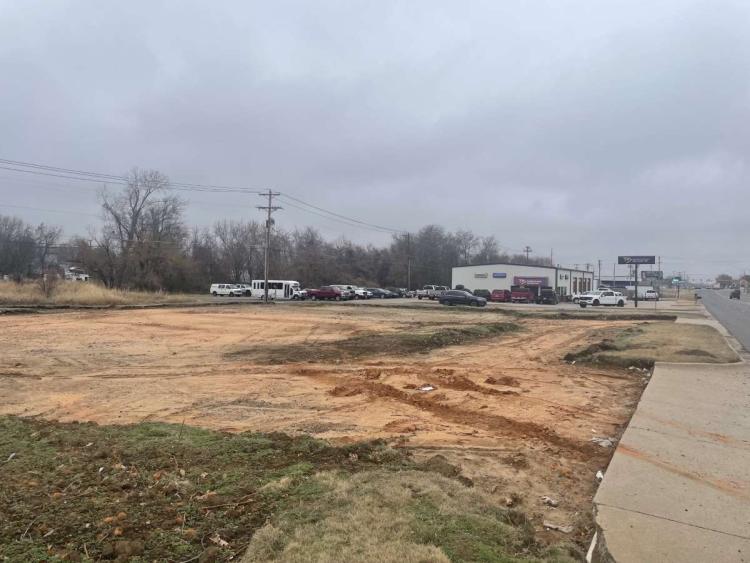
point(431, 292)
point(596, 298)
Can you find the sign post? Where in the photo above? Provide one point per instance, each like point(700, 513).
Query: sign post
point(636, 261)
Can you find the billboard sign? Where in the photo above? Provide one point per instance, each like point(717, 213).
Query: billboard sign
point(499, 275)
point(636, 259)
point(523, 280)
point(652, 275)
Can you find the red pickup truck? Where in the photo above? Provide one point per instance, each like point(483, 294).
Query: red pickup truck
point(520, 294)
point(326, 292)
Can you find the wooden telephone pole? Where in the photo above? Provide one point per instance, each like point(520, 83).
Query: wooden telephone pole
point(270, 208)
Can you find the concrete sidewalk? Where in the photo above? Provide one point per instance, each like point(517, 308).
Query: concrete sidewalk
point(678, 487)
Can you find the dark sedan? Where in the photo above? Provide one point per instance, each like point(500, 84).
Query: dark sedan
point(458, 297)
point(378, 293)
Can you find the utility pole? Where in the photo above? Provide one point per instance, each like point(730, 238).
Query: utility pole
point(600, 273)
point(527, 251)
point(270, 208)
point(408, 261)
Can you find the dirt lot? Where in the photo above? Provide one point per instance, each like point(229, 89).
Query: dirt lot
point(505, 407)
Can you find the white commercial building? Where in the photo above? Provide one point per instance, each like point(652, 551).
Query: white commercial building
point(565, 281)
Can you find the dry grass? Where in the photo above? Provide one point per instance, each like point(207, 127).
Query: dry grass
point(660, 342)
point(71, 293)
point(396, 517)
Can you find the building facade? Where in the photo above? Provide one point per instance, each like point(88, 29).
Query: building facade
point(565, 281)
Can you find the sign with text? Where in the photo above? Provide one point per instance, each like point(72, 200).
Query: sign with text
point(636, 259)
point(480, 275)
point(652, 275)
point(499, 275)
point(519, 280)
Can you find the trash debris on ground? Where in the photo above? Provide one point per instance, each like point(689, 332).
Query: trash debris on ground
point(427, 387)
point(603, 442)
point(216, 538)
point(558, 527)
point(549, 501)
point(11, 456)
point(599, 475)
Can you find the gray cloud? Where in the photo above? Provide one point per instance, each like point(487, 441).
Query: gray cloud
point(591, 128)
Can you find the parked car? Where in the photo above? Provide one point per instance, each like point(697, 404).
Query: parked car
point(735, 294)
point(299, 294)
point(520, 294)
point(329, 292)
point(361, 293)
point(397, 291)
point(431, 292)
point(378, 293)
point(547, 296)
point(576, 297)
point(246, 289)
point(650, 295)
point(225, 290)
point(461, 297)
point(500, 295)
point(482, 293)
point(347, 291)
point(596, 298)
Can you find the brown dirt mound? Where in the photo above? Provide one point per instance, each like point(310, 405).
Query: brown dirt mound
point(506, 380)
point(346, 390)
point(401, 426)
point(461, 383)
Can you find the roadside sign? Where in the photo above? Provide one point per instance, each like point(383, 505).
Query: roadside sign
point(652, 275)
point(636, 259)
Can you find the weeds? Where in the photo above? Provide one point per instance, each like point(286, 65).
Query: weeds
point(69, 293)
point(161, 492)
point(400, 342)
point(648, 343)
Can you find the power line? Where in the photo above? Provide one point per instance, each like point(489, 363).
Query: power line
point(352, 219)
point(98, 177)
point(48, 210)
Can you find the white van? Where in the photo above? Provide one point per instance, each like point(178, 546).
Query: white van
point(225, 290)
point(277, 289)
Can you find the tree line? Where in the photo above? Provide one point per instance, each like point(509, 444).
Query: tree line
point(145, 243)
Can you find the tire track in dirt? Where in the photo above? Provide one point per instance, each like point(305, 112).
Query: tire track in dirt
point(523, 430)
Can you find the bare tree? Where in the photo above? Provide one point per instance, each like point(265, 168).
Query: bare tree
point(46, 238)
point(17, 248)
point(143, 231)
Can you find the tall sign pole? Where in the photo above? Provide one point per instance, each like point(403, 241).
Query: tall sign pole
point(636, 261)
point(270, 208)
point(636, 286)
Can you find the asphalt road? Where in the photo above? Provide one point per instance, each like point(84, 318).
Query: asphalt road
point(733, 314)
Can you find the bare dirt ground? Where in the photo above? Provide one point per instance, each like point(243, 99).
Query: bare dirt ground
point(507, 409)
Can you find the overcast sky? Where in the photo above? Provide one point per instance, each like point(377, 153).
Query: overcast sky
point(591, 128)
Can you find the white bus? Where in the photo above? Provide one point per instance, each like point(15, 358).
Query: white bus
point(277, 289)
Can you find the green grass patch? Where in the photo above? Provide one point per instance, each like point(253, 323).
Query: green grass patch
point(394, 517)
point(412, 341)
point(163, 492)
point(649, 342)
